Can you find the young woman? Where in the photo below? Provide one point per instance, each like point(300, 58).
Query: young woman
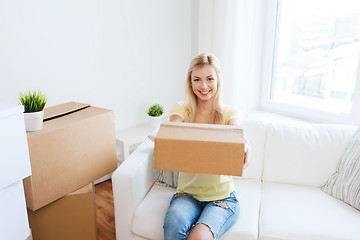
point(205, 205)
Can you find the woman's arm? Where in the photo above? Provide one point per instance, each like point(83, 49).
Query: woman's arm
point(237, 122)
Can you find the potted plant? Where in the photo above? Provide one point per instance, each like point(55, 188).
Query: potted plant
point(34, 103)
point(155, 112)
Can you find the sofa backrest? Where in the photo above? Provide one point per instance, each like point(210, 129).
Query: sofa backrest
point(255, 132)
point(304, 154)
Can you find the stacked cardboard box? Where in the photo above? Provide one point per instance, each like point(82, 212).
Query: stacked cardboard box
point(75, 147)
point(70, 217)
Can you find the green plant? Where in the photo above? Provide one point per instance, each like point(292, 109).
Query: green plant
point(33, 101)
point(155, 110)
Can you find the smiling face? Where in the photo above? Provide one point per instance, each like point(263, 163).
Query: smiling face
point(204, 82)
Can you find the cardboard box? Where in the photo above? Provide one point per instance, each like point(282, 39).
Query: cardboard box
point(72, 217)
point(200, 148)
point(76, 146)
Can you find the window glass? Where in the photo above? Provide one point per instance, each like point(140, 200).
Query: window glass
point(316, 57)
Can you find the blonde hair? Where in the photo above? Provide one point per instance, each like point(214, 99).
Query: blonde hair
point(217, 116)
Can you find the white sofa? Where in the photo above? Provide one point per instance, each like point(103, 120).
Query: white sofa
point(280, 193)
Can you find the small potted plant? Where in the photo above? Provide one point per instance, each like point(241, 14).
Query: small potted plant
point(34, 103)
point(155, 112)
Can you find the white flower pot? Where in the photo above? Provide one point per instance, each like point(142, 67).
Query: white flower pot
point(155, 122)
point(34, 121)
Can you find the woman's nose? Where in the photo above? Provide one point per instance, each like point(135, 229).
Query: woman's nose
point(203, 85)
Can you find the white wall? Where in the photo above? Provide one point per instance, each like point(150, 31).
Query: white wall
point(117, 54)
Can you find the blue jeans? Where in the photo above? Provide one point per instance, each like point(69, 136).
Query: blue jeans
point(185, 212)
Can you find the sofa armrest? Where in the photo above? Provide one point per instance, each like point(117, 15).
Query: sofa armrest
point(131, 182)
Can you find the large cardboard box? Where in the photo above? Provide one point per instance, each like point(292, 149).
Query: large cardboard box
point(200, 148)
point(72, 217)
point(76, 146)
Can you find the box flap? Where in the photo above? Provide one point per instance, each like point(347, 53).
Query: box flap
point(203, 126)
point(201, 132)
point(88, 188)
point(63, 109)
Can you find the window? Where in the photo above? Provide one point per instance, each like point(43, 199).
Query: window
point(314, 52)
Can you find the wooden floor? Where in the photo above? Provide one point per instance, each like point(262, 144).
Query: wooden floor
point(105, 211)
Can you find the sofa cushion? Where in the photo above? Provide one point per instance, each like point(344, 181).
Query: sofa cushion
point(303, 212)
point(345, 183)
point(149, 215)
point(304, 154)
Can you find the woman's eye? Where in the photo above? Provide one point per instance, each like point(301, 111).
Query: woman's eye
point(196, 79)
point(210, 79)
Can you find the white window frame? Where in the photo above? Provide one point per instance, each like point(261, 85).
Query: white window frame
point(291, 110)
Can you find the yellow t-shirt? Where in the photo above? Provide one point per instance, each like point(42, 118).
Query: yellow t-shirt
point(206, 187)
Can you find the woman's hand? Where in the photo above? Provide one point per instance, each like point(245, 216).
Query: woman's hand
point(246, 154)
point(237, 122)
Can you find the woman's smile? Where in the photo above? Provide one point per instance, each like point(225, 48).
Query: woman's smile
point(204, 93)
